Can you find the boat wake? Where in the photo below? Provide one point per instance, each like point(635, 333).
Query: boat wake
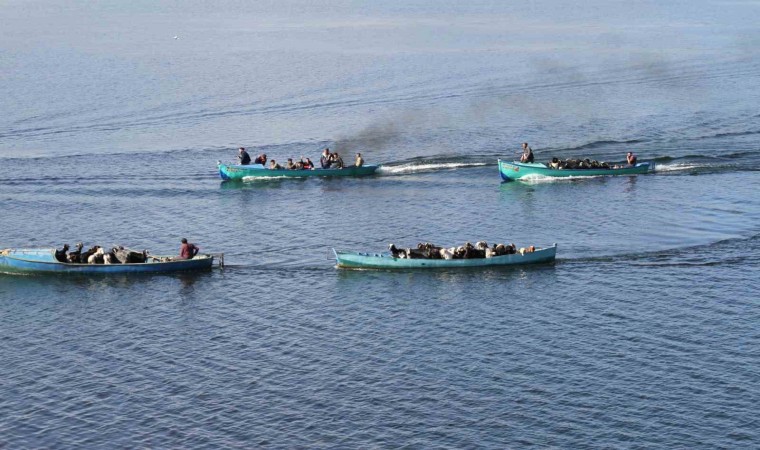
point(401, 169)
point(680, 167)
point(723, 252)
point(539, 179)
point(260, 178)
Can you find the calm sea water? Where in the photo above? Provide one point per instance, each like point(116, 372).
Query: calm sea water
point(642, 334)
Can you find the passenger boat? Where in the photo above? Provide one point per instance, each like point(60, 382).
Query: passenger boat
point(42, 260)
point(235, 172)
point(516, 170)
point(351, 260)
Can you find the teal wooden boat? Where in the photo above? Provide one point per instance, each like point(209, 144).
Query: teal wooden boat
point(352, 260)
point(516, 170)
point(42, 260)
point(230, 172)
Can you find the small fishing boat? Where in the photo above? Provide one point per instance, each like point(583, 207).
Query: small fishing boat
point(516, 170)
point(352, 260)
point(235, 172)
point(42, 260)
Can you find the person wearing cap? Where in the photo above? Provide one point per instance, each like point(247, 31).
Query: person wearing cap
point(359, 160)
point(187, 250)
point(244, 157)
point(631, 158)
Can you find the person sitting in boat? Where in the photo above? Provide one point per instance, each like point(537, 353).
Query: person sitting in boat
point(359, 161)
point(308, 165)
point(554, 163)
point(336, 159)
point(326, 159)
point(244, 157)
point(261, 159)
point(527, 156)
point(290, 165)
point(187, 250)
point(631, 158)
point(60, 255)
point(274, 166)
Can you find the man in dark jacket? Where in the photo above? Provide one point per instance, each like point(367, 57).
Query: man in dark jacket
point(244, 157)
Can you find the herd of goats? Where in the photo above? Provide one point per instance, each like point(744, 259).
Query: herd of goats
point(467, 251)
point(574, 164)
point(97, 255)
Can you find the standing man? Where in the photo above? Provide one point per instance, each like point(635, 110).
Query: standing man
point(359, 160)
point(244, 157)
point(631, 158)
point(325, 161)
point(527, 156)
point(187, 250)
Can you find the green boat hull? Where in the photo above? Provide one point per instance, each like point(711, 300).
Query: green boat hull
point(510, 171)
point(352, 260)
point(253, 171)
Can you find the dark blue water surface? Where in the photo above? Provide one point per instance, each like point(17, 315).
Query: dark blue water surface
point(643, 334)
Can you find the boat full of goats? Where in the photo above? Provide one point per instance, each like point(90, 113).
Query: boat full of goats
point(515, 170)
point(428, 256)
point(116, 261)
point(235, 172)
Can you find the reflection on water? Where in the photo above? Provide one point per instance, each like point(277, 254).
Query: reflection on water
point(260, 183)
point(631, 185)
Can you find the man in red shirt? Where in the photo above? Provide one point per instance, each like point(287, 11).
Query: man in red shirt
point(187, 250)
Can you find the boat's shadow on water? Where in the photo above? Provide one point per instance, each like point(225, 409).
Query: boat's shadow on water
point(93, 281)
point(463, 274)
point(269, 183)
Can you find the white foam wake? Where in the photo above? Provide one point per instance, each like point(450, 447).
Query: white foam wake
point(252, 179)
point(538, 178)
point(675, 167)
point(432, 167)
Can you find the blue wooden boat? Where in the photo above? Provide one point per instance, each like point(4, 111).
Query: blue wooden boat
point(352, 260)
point(237, 172)
point(516, 170)
point(35, 261)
